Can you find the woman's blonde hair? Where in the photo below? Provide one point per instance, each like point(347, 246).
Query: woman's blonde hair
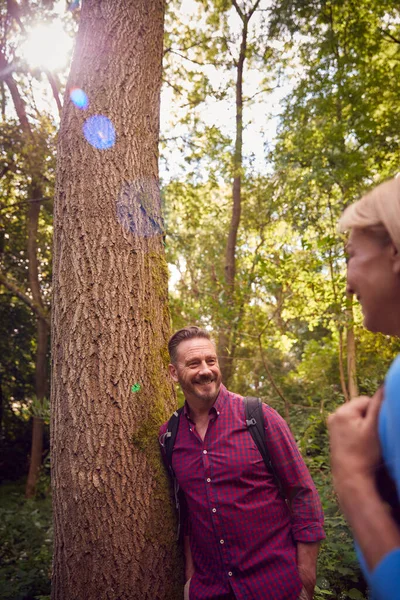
point(378, 210)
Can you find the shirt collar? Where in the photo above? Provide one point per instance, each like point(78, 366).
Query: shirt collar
point(218, 405)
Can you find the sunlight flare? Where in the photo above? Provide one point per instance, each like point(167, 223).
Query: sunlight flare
point(47, 46)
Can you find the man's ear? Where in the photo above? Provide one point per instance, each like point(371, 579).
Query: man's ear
point(173, 372)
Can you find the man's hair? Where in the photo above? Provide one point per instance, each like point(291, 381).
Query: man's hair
point(378, 212)
point(187, 333)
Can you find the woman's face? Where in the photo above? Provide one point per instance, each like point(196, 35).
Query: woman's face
point(373, 275)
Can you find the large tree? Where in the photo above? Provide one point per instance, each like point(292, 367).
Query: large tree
point(113, 525)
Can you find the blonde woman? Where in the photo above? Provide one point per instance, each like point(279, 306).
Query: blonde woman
point(367, 430)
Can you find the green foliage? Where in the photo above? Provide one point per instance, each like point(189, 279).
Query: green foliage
point(25, 545)
point(338, 569)
point(17, 348)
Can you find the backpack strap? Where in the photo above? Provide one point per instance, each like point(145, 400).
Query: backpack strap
point(170, 436)
point(168, 444)
point(255, 424)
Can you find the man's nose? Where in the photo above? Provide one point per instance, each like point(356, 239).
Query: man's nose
point(204, 368)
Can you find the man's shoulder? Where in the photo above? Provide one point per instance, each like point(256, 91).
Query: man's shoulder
point(238, 400)
point(164, 426)
point(271, 415)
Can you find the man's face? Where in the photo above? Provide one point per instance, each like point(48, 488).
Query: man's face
point(373, 275)
point(197, 370)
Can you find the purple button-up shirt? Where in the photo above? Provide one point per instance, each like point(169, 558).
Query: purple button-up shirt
point(242, 534)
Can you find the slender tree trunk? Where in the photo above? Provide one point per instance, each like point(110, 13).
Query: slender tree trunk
point(351, 349)
point(42, 343)
point(225, 347)
point(350, 338)
point(113, 520)
point(1, 403)
point(226, 337)
point(341, 367)
point(37, 423)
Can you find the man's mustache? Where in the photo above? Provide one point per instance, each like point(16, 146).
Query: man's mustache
point(204, 379)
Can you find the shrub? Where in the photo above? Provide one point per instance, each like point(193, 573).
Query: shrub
point(25, 545)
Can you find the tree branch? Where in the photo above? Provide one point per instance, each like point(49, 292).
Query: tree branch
point(54, 88)
point(22, 202)
point(253, 10)
point(14, 288)
point(239, 10)
point(390, 36)
point(17, 100)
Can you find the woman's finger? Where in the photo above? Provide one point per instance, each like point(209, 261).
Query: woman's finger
point(375, 405)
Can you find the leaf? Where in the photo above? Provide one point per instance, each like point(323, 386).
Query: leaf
point(355, 594)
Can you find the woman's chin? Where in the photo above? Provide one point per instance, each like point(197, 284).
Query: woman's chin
point(376, 325)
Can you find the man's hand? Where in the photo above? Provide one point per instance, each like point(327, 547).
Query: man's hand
point(308, 579)
point(354, 441)
point(307, 554)
point(189, 566)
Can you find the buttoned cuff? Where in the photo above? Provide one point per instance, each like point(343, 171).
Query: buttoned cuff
point(310, 532)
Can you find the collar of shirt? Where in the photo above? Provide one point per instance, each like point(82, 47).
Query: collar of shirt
point(218, 406)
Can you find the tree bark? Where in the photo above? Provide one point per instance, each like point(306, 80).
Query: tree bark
point(113, 520)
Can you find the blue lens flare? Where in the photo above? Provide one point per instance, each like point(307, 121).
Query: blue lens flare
point(73, 5)
point(79, 98)
point(99, 132)
point(139, 208)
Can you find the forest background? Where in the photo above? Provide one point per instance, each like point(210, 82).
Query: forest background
point(275, 115)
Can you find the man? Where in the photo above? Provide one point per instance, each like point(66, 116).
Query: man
point(241, 541)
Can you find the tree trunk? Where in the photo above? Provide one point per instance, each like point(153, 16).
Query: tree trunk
point(1, 404)
point(226, 337)
point(341, 367)
point(42, 342)
point(113, 520)
point(225, 347)
point(37, 423)
point(351, 349)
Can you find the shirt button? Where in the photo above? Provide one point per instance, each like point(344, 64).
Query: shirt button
point(208, 480)
point(204, 451)
point(217, 412)
point(214, 510)
point(230, 573)
point(221, 542)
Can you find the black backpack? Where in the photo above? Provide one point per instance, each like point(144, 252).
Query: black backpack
point(255, 423)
